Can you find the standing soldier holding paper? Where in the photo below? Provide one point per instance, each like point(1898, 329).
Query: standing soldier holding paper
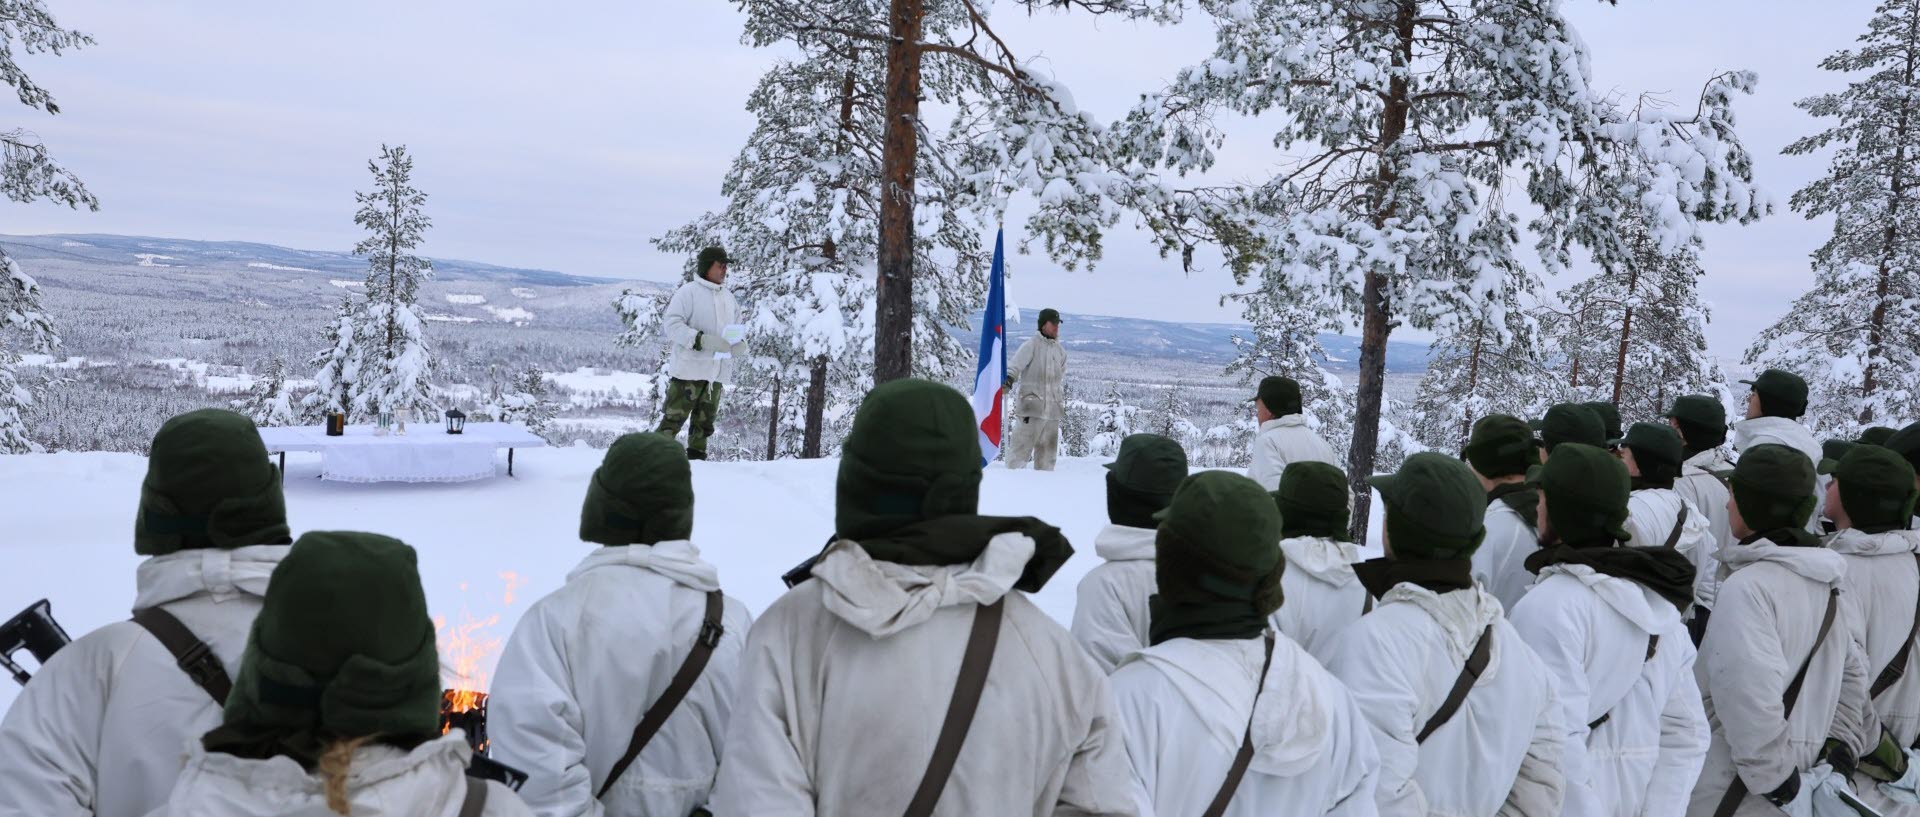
point(703, 323)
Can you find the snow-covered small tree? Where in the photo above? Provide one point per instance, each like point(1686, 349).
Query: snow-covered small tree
point(29, 173)
point(396, 361)
point(269, 402)
point(1113, 423)
point(1855, 336)
point(520, 398)
point(1170, 415)
point(1475, 372)
point(1076, 428)
point(337, 364)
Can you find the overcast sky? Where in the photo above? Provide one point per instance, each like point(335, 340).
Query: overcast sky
point(564, 139)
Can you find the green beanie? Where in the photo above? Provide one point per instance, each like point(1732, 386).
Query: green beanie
point(1703, 422)
point(1782, 393)
point(641, 494)
point(1876, 489)
point(1219, 541)
point(1832, 452)
point(1142, 478)
point(1609, 416)
point(1312, 501)
point(1436, 509)
point(1658, 452)
point(342, 648)
point(1906, 443)
point(707, 258)
point(1585, 491)
point(913, 454)
point(209, 485)
point(1877, 435)
point(1281, 395)
point(1572, 423)
point(1772, 486)
point(1501, 446)
point(1047, 316)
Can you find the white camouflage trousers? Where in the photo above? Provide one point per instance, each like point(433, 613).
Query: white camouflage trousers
point(1036, 439)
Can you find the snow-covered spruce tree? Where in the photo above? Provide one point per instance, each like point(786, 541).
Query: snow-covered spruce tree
point(1113, 423)
point(1170, 416)
point(1855, 336)
point(269, 402)
point(521, 398)
point(396, 362)
point(1286, 342)
point(1635, 335)
point(1476, 371)
point(1076, 428)
point(1013, 130)
point(28, 173)
point(337, 364)
point(1406, 119)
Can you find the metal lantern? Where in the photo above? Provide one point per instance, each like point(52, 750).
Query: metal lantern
point(456, 421)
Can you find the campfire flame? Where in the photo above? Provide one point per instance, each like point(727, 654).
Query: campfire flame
point(467, 650)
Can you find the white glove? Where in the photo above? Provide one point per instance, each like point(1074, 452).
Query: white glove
point(1822, 789)
point(734, 333)
point(722, 355)
point(1906, 790)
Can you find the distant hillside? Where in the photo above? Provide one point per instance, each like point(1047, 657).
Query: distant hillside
point(172, 252)
point(1198, 342)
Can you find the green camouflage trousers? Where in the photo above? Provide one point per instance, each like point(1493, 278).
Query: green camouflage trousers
point(698, 399)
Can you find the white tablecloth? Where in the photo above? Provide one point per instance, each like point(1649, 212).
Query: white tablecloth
point(424, 454)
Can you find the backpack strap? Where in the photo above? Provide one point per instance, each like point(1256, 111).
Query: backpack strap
point(1679, 525)
point(1653, 645)
point(974, 664)
point(195, 658)
point(1476, 664)
point(711, 630)
point(1730, 802)
point(476, 800)
point(1897, 667)
point(1243, 758)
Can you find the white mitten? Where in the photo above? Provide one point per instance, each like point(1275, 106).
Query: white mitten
point(734, 333)
point(1906, 790)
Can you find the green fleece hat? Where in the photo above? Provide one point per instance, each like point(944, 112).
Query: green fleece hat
point(1142, 478)
point(1501, 446)
point(1219, 541)
point(1047, 316)
point(1877, 435)
point(1281, 395)
point(209, 485)
point(1906, 443)
point(342, 648)
point(1782, 393)
point(913, 454)
point(1609, 417)
point(1702, 419)
point(1832, 452)
point(641, 494)
point(706, 259)
point(1572, 423)
point(1436, 509)
point(1585, 491)
point(1772, 486)
point(1876, 489)
point(1657, 450)
point(1312, 501)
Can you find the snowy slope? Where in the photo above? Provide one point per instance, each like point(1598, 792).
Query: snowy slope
point(70, 520)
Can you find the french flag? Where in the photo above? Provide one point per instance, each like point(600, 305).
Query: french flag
point(991, 376)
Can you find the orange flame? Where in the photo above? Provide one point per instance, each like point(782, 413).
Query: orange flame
point(467, 649)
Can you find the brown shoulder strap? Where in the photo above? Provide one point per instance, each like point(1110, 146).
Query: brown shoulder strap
point(1897, 667)
point(476, 800)
point(1476, 664)
point(1730, 802)
point(1679, 525)
point(966, 698)
point(1243, 758)
point(711, 630)
point(195, 658)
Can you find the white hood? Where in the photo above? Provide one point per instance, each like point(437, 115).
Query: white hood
point(883, 598)
point(1776, 430)
point(1288, 421)
point(1813, 563)
point(1462, 614)
point(1706, 462)
point(1324, 559)
point(222, 574)
point(382, 781)
point(1120, 543)
point(1854, 542)
point(1292, 722)
point(1626, 596)
point(677, 559)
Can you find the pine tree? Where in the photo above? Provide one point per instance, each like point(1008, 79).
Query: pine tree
point(1170, 418)
point(396, 361)
point(1075, 427)
point(1477, 372)
point(338, 361)
point(269, 402)
point(1855, 336)
point(29, 173)
point(1406, 118)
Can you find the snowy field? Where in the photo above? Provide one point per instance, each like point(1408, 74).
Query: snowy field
point(486, 548)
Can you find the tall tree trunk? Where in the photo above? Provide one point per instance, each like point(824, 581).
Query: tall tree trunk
point(1896, 191)
point(773, 421)
point(1377, 317)
point(893, 321)
point(816, 407)
point(1626, 332)
point(1473, 383)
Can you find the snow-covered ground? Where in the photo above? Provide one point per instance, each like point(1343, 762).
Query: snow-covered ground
point(486, 548)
